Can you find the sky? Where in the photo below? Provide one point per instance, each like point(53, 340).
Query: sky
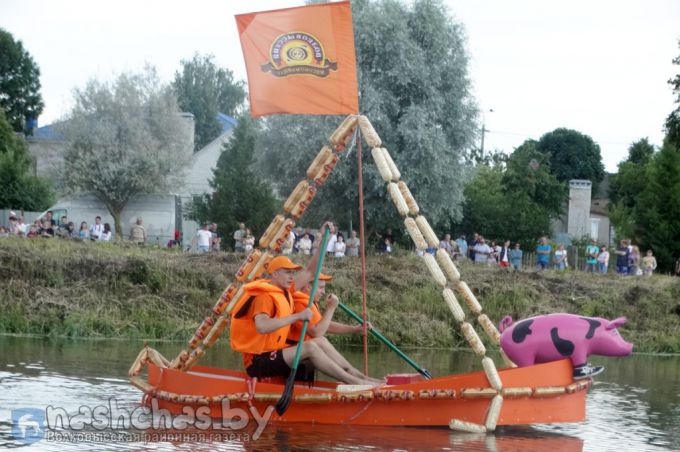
point(599, 67)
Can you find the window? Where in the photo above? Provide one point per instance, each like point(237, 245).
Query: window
point(594, 228)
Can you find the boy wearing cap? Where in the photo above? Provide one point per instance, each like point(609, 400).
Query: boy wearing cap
point(320, 324)
point(261, 322)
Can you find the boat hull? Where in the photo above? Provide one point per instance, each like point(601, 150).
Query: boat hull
point(539, 394)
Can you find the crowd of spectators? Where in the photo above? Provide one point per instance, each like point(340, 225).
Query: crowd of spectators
point(629, 260)
point(48, 227)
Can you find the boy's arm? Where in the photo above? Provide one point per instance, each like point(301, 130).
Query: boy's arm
point(265, 324)
point(321, 328)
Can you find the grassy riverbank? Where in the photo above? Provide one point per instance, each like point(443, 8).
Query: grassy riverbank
point(58, 288)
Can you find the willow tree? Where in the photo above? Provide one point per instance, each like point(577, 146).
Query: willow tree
point(414, 87)
point(125, 137)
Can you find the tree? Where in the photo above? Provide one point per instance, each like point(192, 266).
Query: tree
point(573, 155)
point(414, 88)
point(20, 189)
point(657, 206)
point(125, 138)
point(516, 200)
point(19, 83)
point(627, 183)
point(240, 195)
point(205, 90)
point(626, 186)
point(673, 120)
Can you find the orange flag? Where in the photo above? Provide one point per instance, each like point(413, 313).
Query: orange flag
point(300, 60)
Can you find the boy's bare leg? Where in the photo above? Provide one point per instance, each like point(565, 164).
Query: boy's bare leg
point(335, 355)
point(314, 353)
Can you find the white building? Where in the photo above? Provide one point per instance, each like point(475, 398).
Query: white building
point(162, 212)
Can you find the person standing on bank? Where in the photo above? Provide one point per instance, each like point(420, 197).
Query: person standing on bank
point(516, 257)
point(97, 228)
point(352, 245)
point(137, 232)
point(239, 235)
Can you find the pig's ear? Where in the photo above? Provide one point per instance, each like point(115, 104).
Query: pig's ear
point(615, 323)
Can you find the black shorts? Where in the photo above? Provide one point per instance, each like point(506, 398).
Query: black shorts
point(272, 364)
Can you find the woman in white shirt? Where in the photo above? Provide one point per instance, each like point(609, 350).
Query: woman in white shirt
point(304, 245)
point(339, 246)
point(561, 258)
point(105, 236)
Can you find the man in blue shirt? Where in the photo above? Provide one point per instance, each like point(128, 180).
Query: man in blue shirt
point(543, 254)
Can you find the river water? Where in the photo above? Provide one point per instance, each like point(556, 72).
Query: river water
point(634, 405)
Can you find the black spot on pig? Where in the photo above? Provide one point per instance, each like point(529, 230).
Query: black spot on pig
point(521, 331)
point(594, 324)
point(563, 346)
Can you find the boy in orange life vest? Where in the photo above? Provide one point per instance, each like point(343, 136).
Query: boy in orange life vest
point(319, 325)
point(261, 322)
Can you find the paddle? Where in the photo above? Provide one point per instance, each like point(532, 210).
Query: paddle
point(424, 372)
point(286, 397)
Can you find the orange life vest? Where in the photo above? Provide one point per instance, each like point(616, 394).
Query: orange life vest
point(301, 300)
point(243, 333)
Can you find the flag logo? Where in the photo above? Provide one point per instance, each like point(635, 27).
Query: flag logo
point(298, 53)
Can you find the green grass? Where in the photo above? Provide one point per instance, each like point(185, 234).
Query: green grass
point(60, 288)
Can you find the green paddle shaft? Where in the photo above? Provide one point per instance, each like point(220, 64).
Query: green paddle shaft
point(319, 265)
point(386, 341)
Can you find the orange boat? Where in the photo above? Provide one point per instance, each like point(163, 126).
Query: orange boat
point(472, 402)
point(552, 396)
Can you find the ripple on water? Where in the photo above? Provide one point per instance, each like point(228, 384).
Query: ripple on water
point(623, 412)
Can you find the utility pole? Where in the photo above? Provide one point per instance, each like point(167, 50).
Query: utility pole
point(481, 147)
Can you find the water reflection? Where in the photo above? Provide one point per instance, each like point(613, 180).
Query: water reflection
point(634, 405)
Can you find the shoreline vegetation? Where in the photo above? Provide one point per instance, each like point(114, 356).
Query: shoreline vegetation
point(58, 288)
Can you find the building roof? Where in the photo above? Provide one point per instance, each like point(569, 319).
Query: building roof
point(50, 133)
point(226, 121)
point(46, 133)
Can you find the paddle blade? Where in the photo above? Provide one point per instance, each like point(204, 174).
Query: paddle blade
point(287, 396)
point(425, 373)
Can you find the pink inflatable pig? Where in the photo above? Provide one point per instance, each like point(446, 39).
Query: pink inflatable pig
point(552, 337)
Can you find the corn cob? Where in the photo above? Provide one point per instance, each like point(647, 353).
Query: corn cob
point(473, 339)
point(271, 231)
point(434, 269)
point(447, 265)
point(296, 196)
point(370, 135)
point(396, 175)
point(340, 138)
point(492, 374)
point(248, 265)
point(408, 197)
point(489, 328)
point(415, 234)
point(428, 233)
point(453, 304)
point(469, 297)
point(397, 199)
point(381, 163)
point(324, 157)
point(493, 413)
